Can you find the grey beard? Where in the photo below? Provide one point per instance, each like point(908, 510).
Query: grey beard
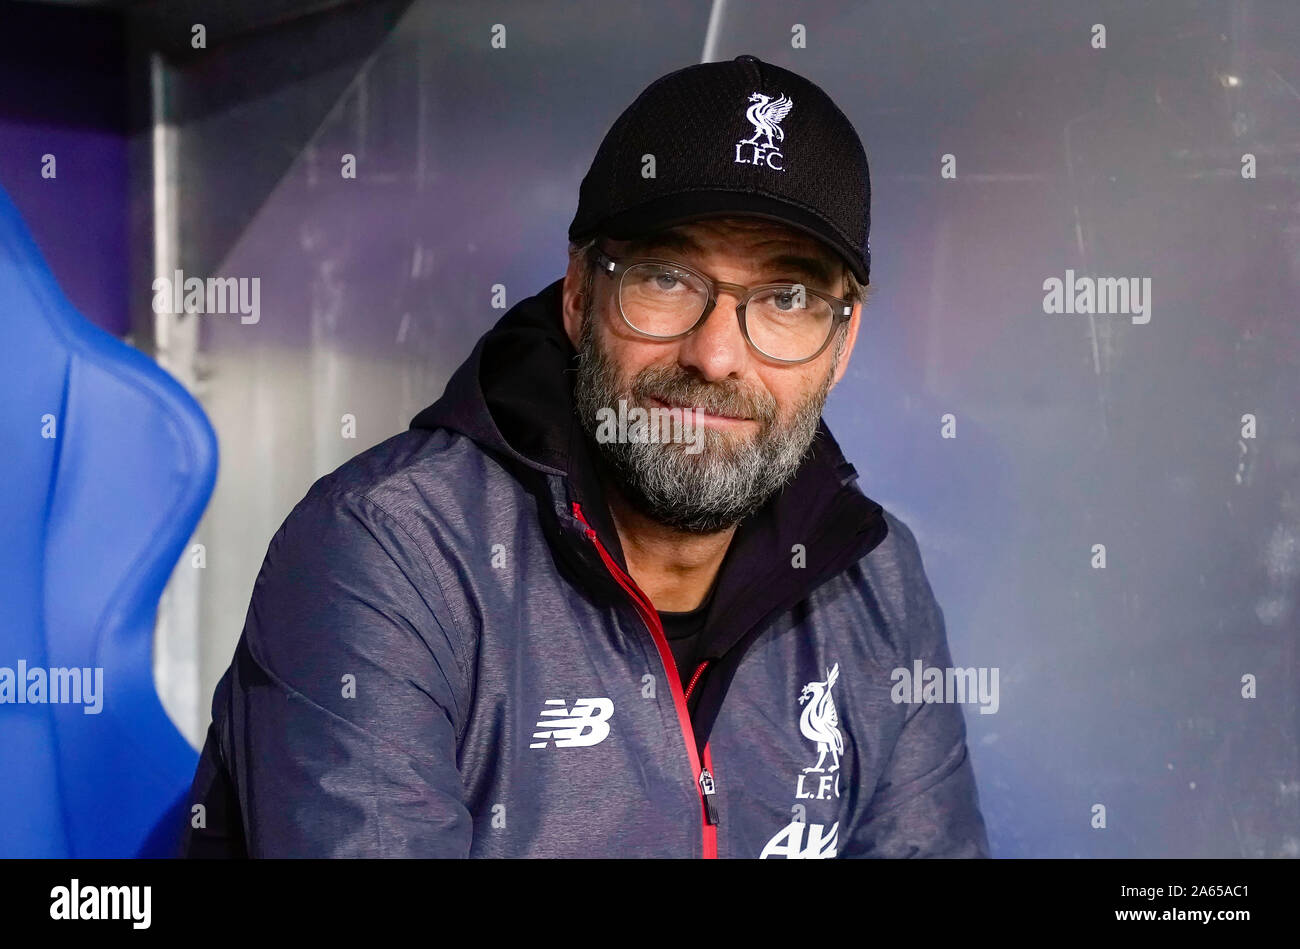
point(724, 483)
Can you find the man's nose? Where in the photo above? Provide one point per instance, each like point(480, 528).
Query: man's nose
point(718, 348)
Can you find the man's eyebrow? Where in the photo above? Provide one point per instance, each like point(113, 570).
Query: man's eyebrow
point(811, 267)
point(657, 243)
point(815, 269)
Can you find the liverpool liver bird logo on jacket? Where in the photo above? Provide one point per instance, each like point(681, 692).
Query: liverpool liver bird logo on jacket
point(819, 721)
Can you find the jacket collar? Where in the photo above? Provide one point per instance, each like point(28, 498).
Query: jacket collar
point(513, 397)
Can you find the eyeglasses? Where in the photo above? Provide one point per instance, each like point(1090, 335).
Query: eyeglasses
point(664, 299)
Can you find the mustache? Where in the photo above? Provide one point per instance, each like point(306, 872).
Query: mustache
point(678, 389)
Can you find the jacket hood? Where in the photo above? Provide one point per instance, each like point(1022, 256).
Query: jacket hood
point(513, 397)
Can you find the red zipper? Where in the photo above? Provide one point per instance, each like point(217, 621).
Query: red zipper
point(705, 784)
point(699, 671)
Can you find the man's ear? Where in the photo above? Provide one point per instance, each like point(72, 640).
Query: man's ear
point(855, 320)
point(572, 302)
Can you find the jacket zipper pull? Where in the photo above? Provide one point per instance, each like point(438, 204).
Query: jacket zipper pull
point(707, 786)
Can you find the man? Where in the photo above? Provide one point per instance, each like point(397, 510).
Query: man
point(526, 627)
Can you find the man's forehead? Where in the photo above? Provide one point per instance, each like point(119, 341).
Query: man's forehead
point(773, 246)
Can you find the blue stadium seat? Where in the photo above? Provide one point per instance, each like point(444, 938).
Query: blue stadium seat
point(95, 518)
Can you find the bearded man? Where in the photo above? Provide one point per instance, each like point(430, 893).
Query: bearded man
point(503, 633)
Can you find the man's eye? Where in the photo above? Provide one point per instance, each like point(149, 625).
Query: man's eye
point(664, 281)
point(786, 299)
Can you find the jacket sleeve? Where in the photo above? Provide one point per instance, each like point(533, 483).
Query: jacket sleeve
point(926, 803)
point(347, 694)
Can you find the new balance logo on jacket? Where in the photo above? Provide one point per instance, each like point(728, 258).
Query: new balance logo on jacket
point(587, 723)
point(533, 708)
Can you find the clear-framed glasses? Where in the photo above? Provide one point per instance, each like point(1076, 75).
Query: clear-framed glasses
point(664, 299)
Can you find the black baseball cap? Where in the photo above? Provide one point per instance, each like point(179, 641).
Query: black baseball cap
point(742, 137)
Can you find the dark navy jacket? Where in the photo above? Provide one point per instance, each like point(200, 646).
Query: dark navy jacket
point(444, 656)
